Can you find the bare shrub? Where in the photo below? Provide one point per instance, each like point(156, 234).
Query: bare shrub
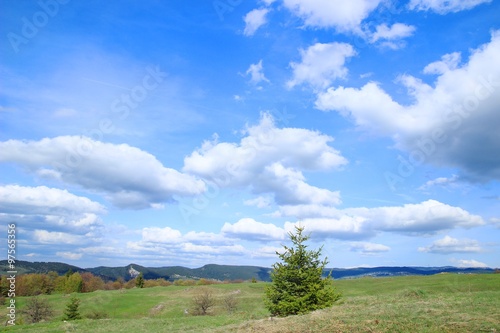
point(230, 302)
point(36, 310)
point(97, 314)
point(203, 302)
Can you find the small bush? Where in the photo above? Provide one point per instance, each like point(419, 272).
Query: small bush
point(230, 303)
point(202, 302)
point(95, 314)
point(36, 310)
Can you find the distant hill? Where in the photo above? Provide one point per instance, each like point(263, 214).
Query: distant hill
point(224, 272)
point(25, 267)
point(342, 273)
point(217, 272)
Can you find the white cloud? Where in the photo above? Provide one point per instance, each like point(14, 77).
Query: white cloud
point(267, 252)
point(342, 15)
point(452, 245)
point(48, 237)
point(170, 245)
point(254, 20)
point(440, 181)
point(424, 218)
point(248, 228)
point(161, 235)
point(222, 250)
point(427, 217)
point(127, 176)
point(269, 160)
point(396, 31)
point(259, 202)
point(445, 6)
point(69, 255)
point(53, 209)
point(369, 248)
point(256, 73)
point(446, 123)
point(321, 64)
point(447, 63)
point(344, 227)
point(469, 263)
point(42, 200)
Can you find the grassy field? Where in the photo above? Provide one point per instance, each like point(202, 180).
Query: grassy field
point(439, 303)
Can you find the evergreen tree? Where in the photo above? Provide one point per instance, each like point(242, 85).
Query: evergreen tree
point(139, 281)
point(72, 312)
point(297, 284)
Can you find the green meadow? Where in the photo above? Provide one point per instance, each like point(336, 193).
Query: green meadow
point(438, 303)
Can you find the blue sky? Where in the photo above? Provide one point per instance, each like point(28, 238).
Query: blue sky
point(188, 133)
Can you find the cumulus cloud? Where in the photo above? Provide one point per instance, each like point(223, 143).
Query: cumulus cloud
point(256, 73)
point(345, 16)
point(42, 200)
point(69, 255)
point(259, 202)
point(54, 237)
point(345, 227)
point(168, 244)
point(266, 252)
point(321, 64)
point(447, 63)
point(425, 218)
point(453, 122)
point(254, 20)
point(452, 245)
point(445, 6)
point(395, 32)
point(248, 228)
point(469, 263)
point(369, 248)
point(52, 219)
point(440, 181)
point(127, 176)
point(161, 235)
point(50, 208)
point(270, 160)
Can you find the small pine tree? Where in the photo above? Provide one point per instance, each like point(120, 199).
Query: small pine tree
point(139, 281)
point(72, 312)
point(297, 284)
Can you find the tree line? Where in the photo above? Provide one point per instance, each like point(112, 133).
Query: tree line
point(34, 284)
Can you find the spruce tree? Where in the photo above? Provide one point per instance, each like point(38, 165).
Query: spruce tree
point(72, 312)
point(139, 281)
point(297, 284)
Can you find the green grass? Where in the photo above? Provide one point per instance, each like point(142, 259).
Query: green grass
point(439, 303)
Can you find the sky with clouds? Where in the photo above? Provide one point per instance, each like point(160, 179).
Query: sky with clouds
point(194, 132)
